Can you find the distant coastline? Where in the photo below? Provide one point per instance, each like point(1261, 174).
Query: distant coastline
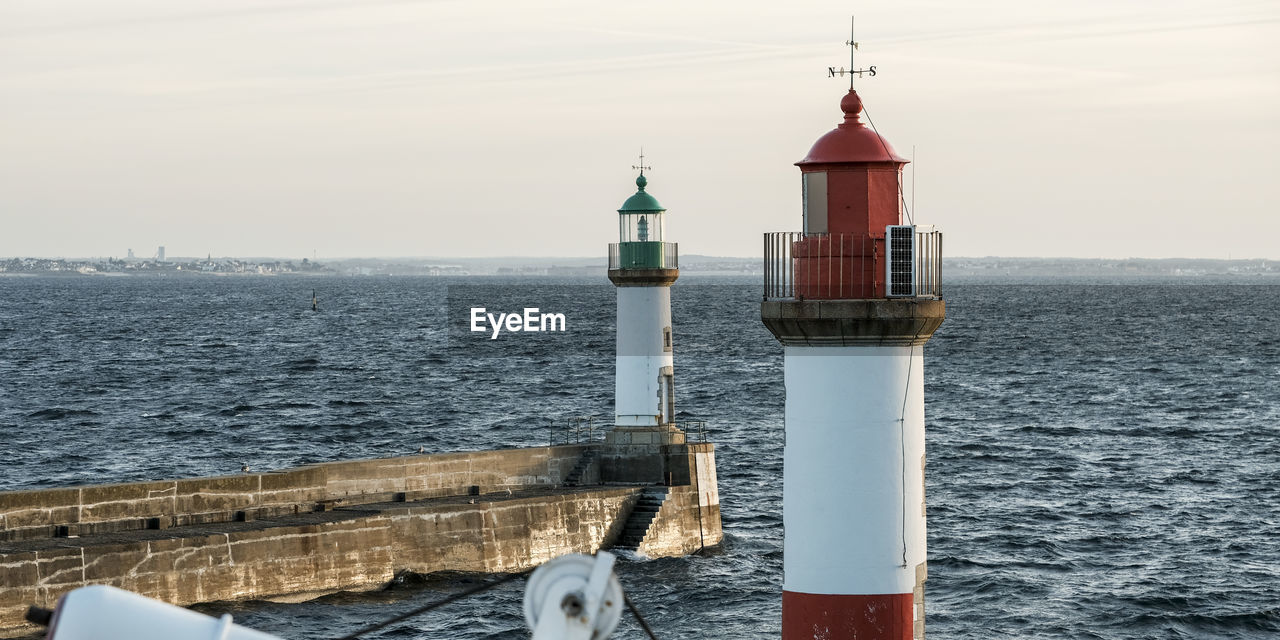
point(958, 269)
point(177, 266)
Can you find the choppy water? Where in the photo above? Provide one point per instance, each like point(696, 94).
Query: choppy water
point(1104, 461)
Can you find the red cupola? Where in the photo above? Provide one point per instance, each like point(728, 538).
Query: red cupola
point(851, 177)
point(851, 193)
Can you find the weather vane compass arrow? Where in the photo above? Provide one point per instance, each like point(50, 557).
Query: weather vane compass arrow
point(852, 70)
point(641, 166)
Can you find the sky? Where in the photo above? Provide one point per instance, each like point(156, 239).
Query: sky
point(394, 128)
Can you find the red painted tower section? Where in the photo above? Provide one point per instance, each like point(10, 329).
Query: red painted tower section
point(851, 192)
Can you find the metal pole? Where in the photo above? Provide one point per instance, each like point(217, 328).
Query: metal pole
point(768, 272)
point(786, 271)
point(829, 261)
point(862, 267)
point(939, 294)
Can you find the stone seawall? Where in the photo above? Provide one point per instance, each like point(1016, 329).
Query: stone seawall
point(157, 505)
point(340, 526)
point(350, 548)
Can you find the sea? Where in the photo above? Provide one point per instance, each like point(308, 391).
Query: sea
point(1103, 457)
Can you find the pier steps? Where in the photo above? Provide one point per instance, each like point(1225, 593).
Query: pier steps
point(579, 475)
point(642, 516)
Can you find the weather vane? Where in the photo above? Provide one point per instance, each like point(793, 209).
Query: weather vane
point(851, 71)
point(641, 166)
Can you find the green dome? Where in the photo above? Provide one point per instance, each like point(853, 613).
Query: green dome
point(641, 201)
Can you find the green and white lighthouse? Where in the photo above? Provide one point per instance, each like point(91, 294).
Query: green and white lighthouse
point(643, 265)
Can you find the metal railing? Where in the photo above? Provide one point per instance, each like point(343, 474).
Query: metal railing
point(587, 429)
point(644, 255)
point(928, 264)
point(574, 430)
point(843, 266)
point(694, 430)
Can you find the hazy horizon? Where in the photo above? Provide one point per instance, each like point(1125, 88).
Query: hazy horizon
point(599, 257)
point(452, 129)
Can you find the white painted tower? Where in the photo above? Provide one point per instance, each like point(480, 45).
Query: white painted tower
point(853, 298)
point(643, 266)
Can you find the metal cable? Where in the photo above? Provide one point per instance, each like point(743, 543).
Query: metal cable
point(910, 219)
point(439, 603)
point(902, 437)
point(631, 606)
point(481, 589)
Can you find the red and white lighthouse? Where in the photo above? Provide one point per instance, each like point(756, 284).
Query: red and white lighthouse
point(853, 297)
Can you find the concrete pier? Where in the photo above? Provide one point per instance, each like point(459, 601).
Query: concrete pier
point(299, 533)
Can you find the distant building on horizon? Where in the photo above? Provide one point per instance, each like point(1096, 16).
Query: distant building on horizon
point(160, 254)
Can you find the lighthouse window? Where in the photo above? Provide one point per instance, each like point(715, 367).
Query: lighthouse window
point(641, 227)
point(815, 202)
point(666, 338)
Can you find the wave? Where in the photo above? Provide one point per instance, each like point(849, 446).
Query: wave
point(60, 413)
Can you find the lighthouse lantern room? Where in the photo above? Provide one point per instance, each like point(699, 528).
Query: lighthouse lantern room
point(640, 231)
